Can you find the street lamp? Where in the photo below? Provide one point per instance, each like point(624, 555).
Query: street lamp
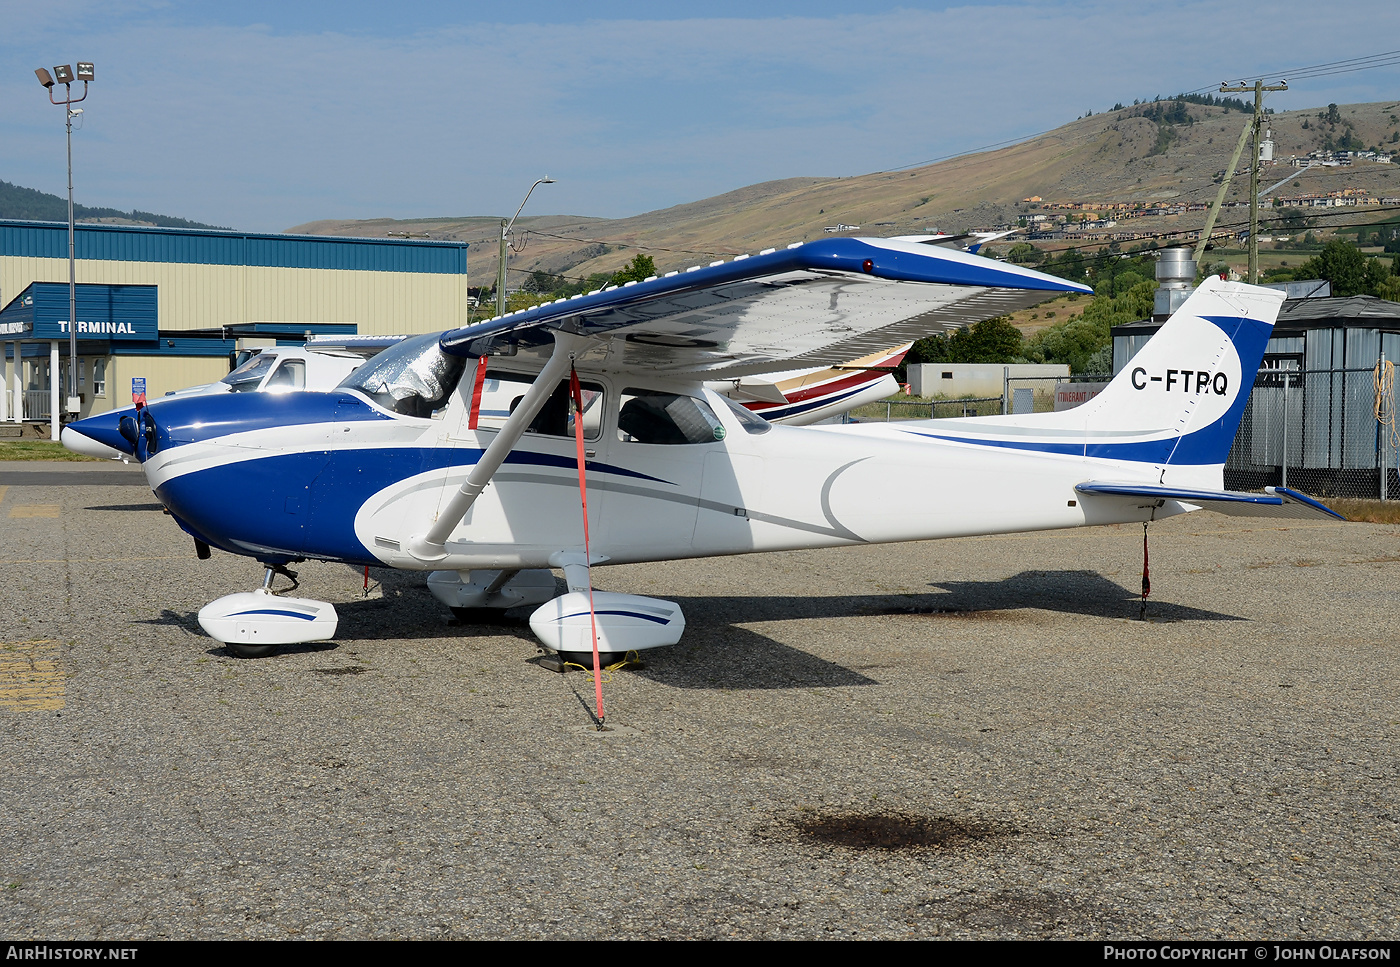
point(66, 76)
point(505, 231)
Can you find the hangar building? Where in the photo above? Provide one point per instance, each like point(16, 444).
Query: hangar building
point(169, 305)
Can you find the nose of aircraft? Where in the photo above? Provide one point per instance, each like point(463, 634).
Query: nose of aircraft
point(101, 435)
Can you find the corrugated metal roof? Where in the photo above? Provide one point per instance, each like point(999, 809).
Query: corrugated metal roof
point(1358, 310)
point(1355, 312)
point(133, 243)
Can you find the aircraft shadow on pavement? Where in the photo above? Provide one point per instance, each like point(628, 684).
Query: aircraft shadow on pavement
point(147, 506)
point(718, 654)
point(1067, 592)
point(403, 610)
point(721, 656)
point(188, 620)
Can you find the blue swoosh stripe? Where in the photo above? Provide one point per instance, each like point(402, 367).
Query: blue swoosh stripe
point(284, 614)
point(624, 614)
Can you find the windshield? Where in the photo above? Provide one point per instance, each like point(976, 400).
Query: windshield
point(245, 378)
point(414, 377)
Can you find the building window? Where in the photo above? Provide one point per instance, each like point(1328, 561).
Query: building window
point(99, 377)
point(82, 373)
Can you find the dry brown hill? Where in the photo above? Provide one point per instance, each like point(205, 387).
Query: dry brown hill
point(1119, 156)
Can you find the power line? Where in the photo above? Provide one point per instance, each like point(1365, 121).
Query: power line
point(1387, 59)
point(1368, 62)
point(631, 242)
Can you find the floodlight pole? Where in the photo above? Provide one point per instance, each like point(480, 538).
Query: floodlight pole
point(505, 232)
point(67, 103)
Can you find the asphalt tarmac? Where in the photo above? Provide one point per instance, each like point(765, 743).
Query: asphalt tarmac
point(971, 738)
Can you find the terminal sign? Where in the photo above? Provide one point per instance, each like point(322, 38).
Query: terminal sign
point(138, 390)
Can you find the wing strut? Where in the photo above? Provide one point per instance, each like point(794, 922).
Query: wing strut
point(430, 546)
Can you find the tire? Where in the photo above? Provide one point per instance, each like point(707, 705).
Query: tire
point(249, 651)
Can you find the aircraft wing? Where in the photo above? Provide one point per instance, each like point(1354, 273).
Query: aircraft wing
point(812, 304)
point(366, 345)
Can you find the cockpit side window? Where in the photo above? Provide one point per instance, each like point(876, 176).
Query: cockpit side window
point(502, 392)
point(287, 377)
point(414, 377)
point(650, 416)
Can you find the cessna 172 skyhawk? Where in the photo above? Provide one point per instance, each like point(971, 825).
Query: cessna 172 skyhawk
point(489, 501)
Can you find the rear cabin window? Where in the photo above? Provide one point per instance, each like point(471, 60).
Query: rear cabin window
point(649, 416)
point(748, 419)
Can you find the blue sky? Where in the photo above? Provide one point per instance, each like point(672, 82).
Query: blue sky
point(263, 115)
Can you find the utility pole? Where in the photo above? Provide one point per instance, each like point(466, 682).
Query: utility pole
point(1258, 90)
point(501, 271)
point(505, 241)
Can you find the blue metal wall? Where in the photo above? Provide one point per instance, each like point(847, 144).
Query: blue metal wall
point(126, 243)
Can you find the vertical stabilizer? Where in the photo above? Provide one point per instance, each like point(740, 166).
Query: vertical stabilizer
point(1189, 385)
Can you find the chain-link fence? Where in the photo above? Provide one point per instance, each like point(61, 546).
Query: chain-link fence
point(1329, 433)
point(1023, 394)
point(894, 409)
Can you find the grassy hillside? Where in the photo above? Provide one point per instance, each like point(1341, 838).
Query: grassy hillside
point(1140, 153)
point(40, 206)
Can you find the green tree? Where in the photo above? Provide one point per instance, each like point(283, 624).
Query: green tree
point(1084, 341)
point(1346, 267)
point(1117, 285)
point(989, 341)
point(542, 281)
point(1025, 253)
point(1294, 219)
point(640, 268)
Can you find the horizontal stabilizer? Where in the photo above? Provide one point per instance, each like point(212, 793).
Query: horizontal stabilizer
point(1274, 502)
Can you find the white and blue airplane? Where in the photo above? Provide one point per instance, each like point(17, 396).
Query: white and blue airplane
point(403, 466)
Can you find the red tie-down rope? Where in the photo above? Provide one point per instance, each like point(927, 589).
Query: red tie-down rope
point(474, 417)
point(577, 394)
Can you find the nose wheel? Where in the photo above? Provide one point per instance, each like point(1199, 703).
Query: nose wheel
point(251, 624)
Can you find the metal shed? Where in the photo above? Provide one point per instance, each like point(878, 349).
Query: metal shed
point(1312, 420)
